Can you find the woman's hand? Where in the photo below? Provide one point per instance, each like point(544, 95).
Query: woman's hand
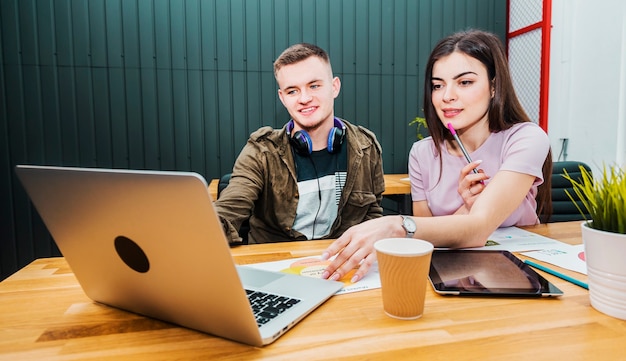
point(471, 184)
point(355, 248)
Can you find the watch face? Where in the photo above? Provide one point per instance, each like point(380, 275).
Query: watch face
point(408, 224)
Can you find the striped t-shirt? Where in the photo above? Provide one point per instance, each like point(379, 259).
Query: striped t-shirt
point(321, 177)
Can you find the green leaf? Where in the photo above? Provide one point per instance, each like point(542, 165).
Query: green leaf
point(421, 123)
point(604, 198)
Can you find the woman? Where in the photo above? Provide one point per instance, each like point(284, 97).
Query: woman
point(468, 87)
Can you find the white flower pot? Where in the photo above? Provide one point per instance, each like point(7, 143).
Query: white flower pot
point(605, 255)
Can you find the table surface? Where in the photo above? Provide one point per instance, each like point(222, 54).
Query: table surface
point(394, 184)
point(45, 315)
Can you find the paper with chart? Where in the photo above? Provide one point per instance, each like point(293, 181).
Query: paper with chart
point(539, 247)
point(314, 266)
point(569, 257)
point(515, 239)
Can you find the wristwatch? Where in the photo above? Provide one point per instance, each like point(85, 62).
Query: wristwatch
point(409, 226)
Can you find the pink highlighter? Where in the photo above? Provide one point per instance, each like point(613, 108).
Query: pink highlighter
point(458, 140)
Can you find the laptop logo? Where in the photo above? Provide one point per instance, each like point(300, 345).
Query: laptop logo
point(132, 254)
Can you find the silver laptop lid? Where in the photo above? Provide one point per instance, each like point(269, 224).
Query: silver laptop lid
point(149, 242)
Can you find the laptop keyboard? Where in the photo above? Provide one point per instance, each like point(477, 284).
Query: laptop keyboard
point(267, 306)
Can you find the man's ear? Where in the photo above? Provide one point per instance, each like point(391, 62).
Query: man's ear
point(280, 96)
point(336, 86)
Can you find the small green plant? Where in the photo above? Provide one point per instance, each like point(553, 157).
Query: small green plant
point(421, 123)
point(604, 198)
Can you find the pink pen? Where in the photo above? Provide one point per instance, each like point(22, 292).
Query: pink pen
point(458, 140)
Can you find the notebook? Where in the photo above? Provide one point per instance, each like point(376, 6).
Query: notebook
point(150, 242)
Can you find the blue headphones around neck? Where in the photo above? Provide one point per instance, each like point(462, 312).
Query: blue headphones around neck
point(303, 145)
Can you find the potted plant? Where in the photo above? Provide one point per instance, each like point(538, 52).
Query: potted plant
point(604, 237)
point(422, 127)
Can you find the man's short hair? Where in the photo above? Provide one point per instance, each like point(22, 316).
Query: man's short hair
point(297, 53)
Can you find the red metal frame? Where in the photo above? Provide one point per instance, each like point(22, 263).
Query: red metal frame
point(545, 25)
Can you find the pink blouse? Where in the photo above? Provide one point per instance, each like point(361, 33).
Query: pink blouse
point(522, 148)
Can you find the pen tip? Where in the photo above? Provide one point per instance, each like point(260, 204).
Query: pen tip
point(451, 128)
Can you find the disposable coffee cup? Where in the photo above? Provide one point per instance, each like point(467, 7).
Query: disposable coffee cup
point(403, 265)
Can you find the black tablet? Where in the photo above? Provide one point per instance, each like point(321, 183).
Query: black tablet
point(486, 273)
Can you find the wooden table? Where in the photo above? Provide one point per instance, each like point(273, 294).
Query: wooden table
point(44, 315)
point(395, 184)
point(213, 188)
point(398, 190)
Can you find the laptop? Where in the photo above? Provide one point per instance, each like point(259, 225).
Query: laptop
point(150, 242)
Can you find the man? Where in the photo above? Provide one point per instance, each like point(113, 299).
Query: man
point(314, 178)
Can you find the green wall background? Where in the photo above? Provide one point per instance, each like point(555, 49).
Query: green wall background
point(180, 84)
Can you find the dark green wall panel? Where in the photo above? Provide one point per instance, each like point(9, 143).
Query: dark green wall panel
point(180, 84)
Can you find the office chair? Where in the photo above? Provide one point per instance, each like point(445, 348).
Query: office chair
point(245, 226)
point(223, 183)
point(563, 209)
